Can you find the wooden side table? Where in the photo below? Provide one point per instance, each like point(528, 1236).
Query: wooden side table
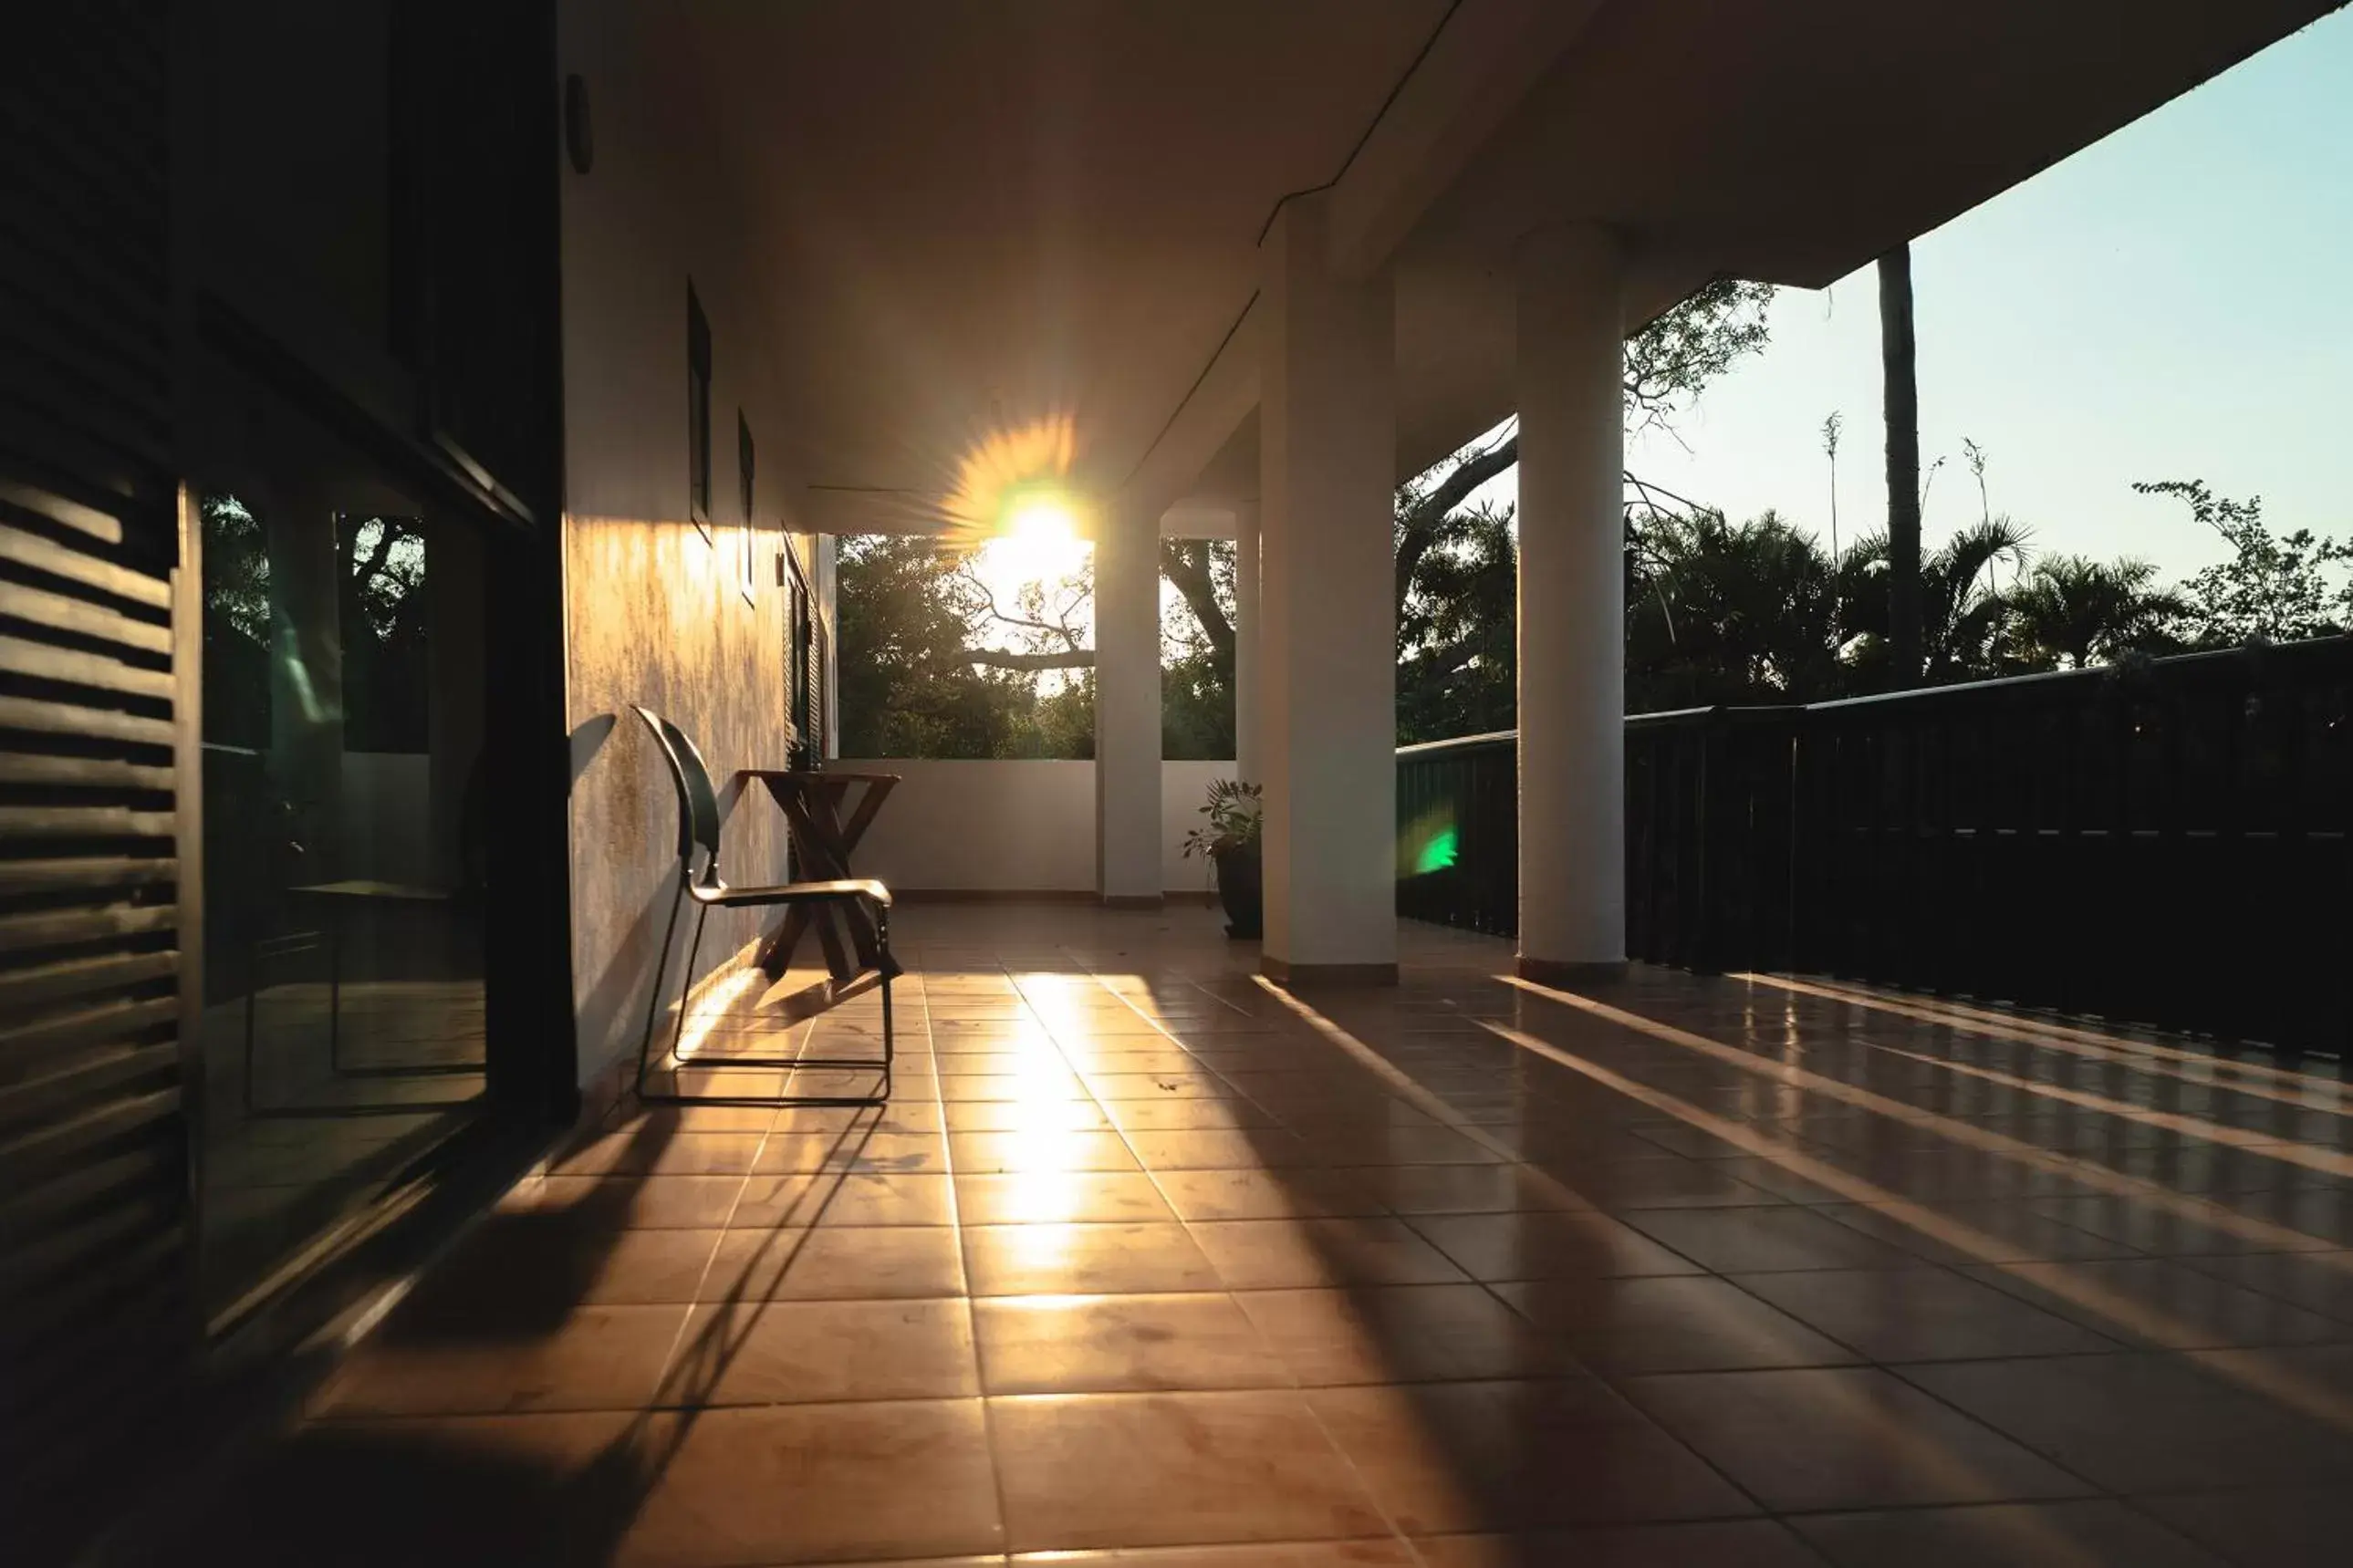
point(826, 827)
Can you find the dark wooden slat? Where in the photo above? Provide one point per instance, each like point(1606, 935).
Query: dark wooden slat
point(94, 872)
point(55, 928)
point(82, 773)
point(64, 719)
point(47, 1147)
point(89, 1076)
point(102, 526)
point(23, 822)
point(74, 567)
point(81, 618)
point(34, 1209)
point(22, 989)
point(21, 656)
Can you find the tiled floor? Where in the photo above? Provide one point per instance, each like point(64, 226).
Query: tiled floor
point(1150, 1262)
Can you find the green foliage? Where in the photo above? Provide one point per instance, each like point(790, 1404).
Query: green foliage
point(1236, 813)
point(909, 687)
point(2071, 612)
point(2272, 589)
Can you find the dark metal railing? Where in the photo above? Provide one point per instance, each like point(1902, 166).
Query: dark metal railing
point(2162, 843)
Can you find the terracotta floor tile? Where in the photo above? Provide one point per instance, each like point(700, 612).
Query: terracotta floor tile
point(1458, 1189)
point(1061, 1084)
point(648, 1152)
point(1080, 1344)
point(2140, 1423)
point(627, 1202)
point(1145, 1469)
point(1093, 1196)
point(1676, 1323)
point(1084, 1259)
point(2014, 1232)
point(2283, 1527)
point(2089, 1533)
point(2162, 1232)
point(854, 1199)
point(524, 1268)
point(802, 1352)
point(1730, 1544)
point(856, 1263)
point(1039, 1149)
point(1248, 1150)
point(813, 1483)
point(594, 1358)
point(2164, 1303)
point(876, 1152)
point(1400, 1146)
point(1024, 1116)
point(1290, 1254)
point(1920, 1314)
point(1197, 1115)
point(1372, 1552)
point(2318, 1282)
point(1448, 1458)
point(1844, 1438)
point(1732, 1241)
point(1264, 1195)
point(1661, 1183)
point(1569, 1245)
point(1407, 1333)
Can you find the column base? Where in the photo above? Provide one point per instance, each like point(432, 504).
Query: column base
point(1284, 973)
point(1566, 976)
point(1132, 900)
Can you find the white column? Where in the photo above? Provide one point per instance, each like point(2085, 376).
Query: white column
point(1328, 715)
point(1246, 661)
point(1572, 614)
point(1127, 708)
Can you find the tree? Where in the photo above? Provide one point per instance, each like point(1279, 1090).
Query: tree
point(1900, 371)
point(1456, 574)
point(2074, 612)
point(912, 684)
point(2273, 589)
point(1963, 618)
point(1718, 612)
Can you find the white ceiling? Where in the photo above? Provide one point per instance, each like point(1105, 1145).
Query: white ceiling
point(968, 217)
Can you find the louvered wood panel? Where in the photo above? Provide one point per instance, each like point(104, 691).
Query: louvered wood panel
point(96, 1316)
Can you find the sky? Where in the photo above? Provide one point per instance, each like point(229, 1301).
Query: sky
point(2175, 301)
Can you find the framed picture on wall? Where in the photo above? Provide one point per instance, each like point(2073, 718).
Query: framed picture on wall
point(743, 480)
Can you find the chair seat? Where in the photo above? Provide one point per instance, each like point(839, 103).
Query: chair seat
point(796, 893)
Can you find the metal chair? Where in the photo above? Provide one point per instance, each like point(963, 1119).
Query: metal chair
point(701, 883)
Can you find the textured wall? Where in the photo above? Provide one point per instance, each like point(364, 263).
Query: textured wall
point(656, 610)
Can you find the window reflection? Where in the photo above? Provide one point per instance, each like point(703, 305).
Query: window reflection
point(343, 804)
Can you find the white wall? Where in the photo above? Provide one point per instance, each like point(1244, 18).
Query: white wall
point(1013, 827)
point(656, 612)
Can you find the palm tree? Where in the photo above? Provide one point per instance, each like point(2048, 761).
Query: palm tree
point(1963, 618)
point(1900, 371)
point(1719, 612)
point(2074, 609)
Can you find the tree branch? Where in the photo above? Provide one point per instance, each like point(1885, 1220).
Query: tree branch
point(998, 658)
point(1185, 563)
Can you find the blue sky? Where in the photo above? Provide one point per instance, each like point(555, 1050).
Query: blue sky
point(2173, 302)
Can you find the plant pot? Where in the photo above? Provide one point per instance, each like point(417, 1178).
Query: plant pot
point(1239, 890)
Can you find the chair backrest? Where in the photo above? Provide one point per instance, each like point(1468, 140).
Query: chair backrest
point(698, 804)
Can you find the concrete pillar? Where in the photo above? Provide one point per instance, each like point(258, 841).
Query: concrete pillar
point(1572, 613)
point(1327, 714)
point(1127, 708)
point(1246, 631)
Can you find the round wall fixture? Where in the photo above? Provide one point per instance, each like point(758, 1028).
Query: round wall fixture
point(579, 136)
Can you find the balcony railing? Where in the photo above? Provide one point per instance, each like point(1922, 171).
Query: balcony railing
point(2164, 843)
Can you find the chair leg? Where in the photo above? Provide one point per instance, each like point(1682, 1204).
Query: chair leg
point(653, 1001)
point(890, 971)
point(678, 1036)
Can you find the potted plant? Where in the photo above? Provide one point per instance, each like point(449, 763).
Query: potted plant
point(1230, 841)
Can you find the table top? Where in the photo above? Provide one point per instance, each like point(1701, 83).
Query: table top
point(362, 888)
point(801, 775)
